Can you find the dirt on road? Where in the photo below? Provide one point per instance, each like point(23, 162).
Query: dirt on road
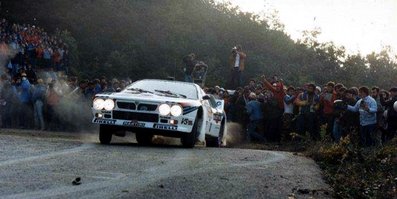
point(44, 164)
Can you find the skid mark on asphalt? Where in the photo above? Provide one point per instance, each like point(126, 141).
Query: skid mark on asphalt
point(48, 155)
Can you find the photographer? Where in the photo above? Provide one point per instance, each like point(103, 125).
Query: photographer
point(237, 63)
point(190, 62)
point(367, 107)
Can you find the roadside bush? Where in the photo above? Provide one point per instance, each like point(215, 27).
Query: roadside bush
point(355, 172)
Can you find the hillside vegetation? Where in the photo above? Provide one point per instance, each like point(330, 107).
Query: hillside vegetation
point(148, 38)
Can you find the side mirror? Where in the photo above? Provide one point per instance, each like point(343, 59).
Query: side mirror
point(206, 97)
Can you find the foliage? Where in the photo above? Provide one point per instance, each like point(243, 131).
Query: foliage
point(147, 39)
point(358, 173)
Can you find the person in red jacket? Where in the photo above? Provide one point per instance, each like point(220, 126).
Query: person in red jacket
point(275, 124)
point(277, 88)
point(327, 103)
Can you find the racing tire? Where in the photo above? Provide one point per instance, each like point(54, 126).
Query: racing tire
point(189, 140)
point(105, 134)
point(144, 139)
point(216, 142)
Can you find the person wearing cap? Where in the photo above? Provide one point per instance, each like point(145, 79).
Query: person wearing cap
point(38, 98)
point(391, 116)
point(237, 64)
point(255, 113)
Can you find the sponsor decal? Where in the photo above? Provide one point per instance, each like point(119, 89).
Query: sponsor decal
point(189, 109)
point(104, 121)
point(218, 118)
point(134, 124)
point(165, 127)
point(220, 104)
point(186, 121)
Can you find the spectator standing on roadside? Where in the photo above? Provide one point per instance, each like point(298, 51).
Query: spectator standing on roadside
point(288, 115)
point(38, 99)
point(327, 102)
point(237, 63)
point(308, 103)
point(52, 99)
point(25, 98)
point(367, 108)
point(276, 107)
point(391, 116)
point(254, 110)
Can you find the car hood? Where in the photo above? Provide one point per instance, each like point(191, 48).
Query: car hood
point(148, 97)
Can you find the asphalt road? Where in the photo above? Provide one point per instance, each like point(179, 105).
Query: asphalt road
point(43, 165)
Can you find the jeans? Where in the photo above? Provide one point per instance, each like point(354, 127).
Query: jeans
point(330, 121)
point(251, 128)
point(337, 131)
point(308, 122)
point(367, 134)
point(236, 78)
point(38, 114)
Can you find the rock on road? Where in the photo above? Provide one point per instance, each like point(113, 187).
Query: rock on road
point(43, 165)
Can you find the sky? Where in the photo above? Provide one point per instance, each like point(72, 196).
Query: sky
point(360, 25)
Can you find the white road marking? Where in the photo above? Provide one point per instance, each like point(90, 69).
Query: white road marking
point(48, 155)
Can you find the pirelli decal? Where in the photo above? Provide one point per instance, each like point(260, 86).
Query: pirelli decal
point(165, 127)
point(104, 121)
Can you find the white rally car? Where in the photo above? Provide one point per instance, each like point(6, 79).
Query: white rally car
point(160, 107)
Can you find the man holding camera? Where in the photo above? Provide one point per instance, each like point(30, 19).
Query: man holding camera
point(367, 107)
point(237, 63)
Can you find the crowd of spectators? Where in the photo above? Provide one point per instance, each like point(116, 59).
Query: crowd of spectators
point(273, 112)
point(36, 93)
point(53, 104)
point(33, 49)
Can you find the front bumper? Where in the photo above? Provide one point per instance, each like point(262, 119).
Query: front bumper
point(141, 120)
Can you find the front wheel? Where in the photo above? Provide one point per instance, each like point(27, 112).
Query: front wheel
point(105, 134)
point(189, 140)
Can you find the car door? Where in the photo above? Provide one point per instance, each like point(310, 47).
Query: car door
point(215, 117)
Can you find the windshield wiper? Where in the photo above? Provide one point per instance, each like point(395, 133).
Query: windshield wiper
point(139, 90)
point(171, 93)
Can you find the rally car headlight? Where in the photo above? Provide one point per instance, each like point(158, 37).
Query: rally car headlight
point(176, 110)
point(98, 104)
point(109, 104)
point(164, 109)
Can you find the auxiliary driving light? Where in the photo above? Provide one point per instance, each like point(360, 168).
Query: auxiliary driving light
point(98, 104)
point(164, 109)
point(176, 110)
point(109, 104)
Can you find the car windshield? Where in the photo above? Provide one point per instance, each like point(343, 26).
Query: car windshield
point(169, 88)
